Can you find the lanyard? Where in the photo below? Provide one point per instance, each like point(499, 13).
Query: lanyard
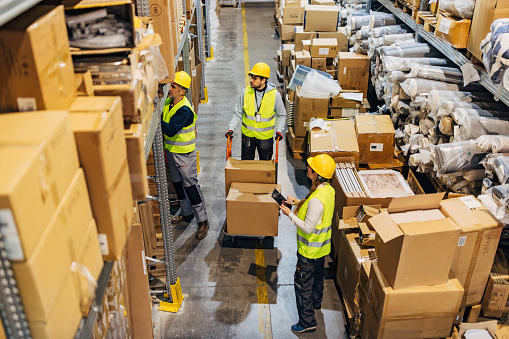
point(257, 108)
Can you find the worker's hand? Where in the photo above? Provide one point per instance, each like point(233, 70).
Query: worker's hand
point(229, 134)
point(290, 200)
point(286, 211)
point(278, 136)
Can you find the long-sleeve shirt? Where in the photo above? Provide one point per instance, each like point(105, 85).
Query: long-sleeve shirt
point(183, 117)
point(314, 215)
point(279, 108)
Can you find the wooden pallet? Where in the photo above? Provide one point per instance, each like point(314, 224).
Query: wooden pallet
point(428, 20)
point(406, 8)
point(295, 155)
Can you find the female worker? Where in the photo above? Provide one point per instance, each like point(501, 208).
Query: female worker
point(313, 221)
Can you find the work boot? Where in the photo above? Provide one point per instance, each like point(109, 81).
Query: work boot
point(203, 228)
point(177, 219)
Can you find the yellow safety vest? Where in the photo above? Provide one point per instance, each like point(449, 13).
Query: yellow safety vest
point(264, 129)
point(184, 140)
point(318, 243)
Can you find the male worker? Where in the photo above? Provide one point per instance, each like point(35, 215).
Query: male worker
point(177, 123)
point(257, 107)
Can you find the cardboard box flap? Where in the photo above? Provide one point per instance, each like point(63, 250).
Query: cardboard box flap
point(490, 326)
point(385, 227)
point(416, 202)
point(244, 187)
point(374, 124)
point(433, 226)
point(500, 4)
point(467, 218)
point(95, 103)
point(243, 164)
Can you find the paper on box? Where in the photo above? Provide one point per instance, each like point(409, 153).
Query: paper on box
point(293, 15)
point(453, 30)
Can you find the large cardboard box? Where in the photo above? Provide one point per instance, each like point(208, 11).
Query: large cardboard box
point(135, 140)
point(485, 12)
point(255, 171)
point(477, 245)
point(413, 313)
point(319, 64)
point(98, 128)
point(36, 69)
point(53, 130)
point(453, 30)
point(300, 35)
point(375, 135)
point(286, 32)
point(495, 303)
point(347, 99)
point(340, 36)
point(297, 144)
point(63, 319)
point(415, 242)
point(321, 18)
point(337, 139)
point(160, 12)
point(303, 58)
point(324, 48)
point(243, 205)
point(140, 305)
point(353, 71)
point(131, 95)
point(293, 15)
point(286, 52)
point(305, 109)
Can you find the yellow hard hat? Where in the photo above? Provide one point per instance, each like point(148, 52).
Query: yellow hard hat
point(323, 165)
point(183, 79)
point(260, 69)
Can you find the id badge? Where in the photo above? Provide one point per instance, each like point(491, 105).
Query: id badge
point(258, 118)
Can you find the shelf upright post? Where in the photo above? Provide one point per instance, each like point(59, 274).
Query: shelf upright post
point(143, 8)
point(207, 28)
point(201, 52)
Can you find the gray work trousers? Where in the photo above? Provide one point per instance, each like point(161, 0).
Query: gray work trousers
point(184, 175)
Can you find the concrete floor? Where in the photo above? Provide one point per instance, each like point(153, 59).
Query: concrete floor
point(227, 295)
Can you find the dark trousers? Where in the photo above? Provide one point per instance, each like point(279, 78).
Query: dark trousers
point(309, 276)
point(250, 145)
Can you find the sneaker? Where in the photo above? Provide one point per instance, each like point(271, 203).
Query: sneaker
point(177, 219)
point(203, 229)
point(297, 328)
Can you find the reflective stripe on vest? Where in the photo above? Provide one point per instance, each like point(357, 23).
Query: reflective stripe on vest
point(184, 141)
point(318, 243)
point(264, 129)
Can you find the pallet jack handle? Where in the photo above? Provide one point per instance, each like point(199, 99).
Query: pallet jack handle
point(277, 157)
point(229, 144)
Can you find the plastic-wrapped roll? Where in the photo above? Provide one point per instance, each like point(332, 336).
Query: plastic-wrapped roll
point(357, 22)
point(361, 46)
point(414, 50)
point(500, 194)
point(426, 125)
point(501, 166)
point(456, 96)
point(489, 161)
point(382, 31)
point(460, 114)
point(474, 127)
point(493, 143)
point(396, 77)
point(446, 126)
point(405, 64)
point(392, 38)
point(501, 144)
point(439, 73)
point(462, 8)
point(382, 20)
point(415, 86)
point(403, 107)
point(447, 105)
point(457, 156)
point(362, 34)
point(474, 175)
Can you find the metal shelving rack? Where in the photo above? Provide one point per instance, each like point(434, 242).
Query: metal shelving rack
point(446, 49)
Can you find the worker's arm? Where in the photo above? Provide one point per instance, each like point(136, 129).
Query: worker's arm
point(314, 215)
point(279, 108)
point(237, 113)
point(182, 118)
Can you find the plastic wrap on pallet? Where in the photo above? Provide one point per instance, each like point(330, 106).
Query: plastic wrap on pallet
point(501, 168)
point(391, 63)
point(414, 50)
point(416, 86)
point(439, 73)
point(378, 32)
point(462, 8)
point(494, 50)
point(456, 156)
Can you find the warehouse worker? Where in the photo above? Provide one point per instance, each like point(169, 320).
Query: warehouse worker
point(313, 221)
point(178, 125)
point(257, 108)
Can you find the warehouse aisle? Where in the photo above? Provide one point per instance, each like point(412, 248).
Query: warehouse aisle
point(242, 289)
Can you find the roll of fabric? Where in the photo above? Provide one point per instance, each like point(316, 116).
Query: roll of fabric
point(446, 126)
point(500, 144)
point(457, 156)
point(416, 86)
point(461, 8)
point(501, 167)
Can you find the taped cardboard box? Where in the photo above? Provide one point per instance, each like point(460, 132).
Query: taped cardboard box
point(413, 313)
point(297, 144)
point(249, 171)
point(415, 241)
point(286, 32)
point(303, 58)
point(243, 205)
point(321, 18)
point(319, 64)
point(307, 108)
point(339, 36)
point(130, 94)
point(353, 71)
point(293, 15)
point(485, 13)
point(286, 52)
point(331, 70)
point(160, 12)
point(337, 138)
point(453, 30)
point(375, 135)
point(300, 35)
point(36, 68)
point(135, 141)
point(477, 245)
point(495, 303)
point(324, 48)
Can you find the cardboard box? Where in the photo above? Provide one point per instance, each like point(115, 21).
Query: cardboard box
point(130, 94)
point(324, 48)
point(249, 171)
point(293, 15)
point(339, 36)
point(160, 12)
point(453, 30)
point(332, 71)
point(243, 205)
point(53, 130)
point(297, 144)
point(300, 35)
point(375, 135)
point(140, 305)
point(286, 32)
point(477, 245)
point(135, 140)
point(495, 303)
point(41, 277)
point(321, 18)
point(98, 128)
point(319, 64)
point(414, 313)
point(353, 71)
point(306, 45)
point(303, 58)
point(323, 2)
point(337, 140)
point(485, 12)
point(84, 84)
point(347, 99)
point(286, 50)
point(415, 241)
point(305, 109)
point(63, 319)
point(36, 70)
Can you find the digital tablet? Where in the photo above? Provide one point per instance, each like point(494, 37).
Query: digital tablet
point(276, 195)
